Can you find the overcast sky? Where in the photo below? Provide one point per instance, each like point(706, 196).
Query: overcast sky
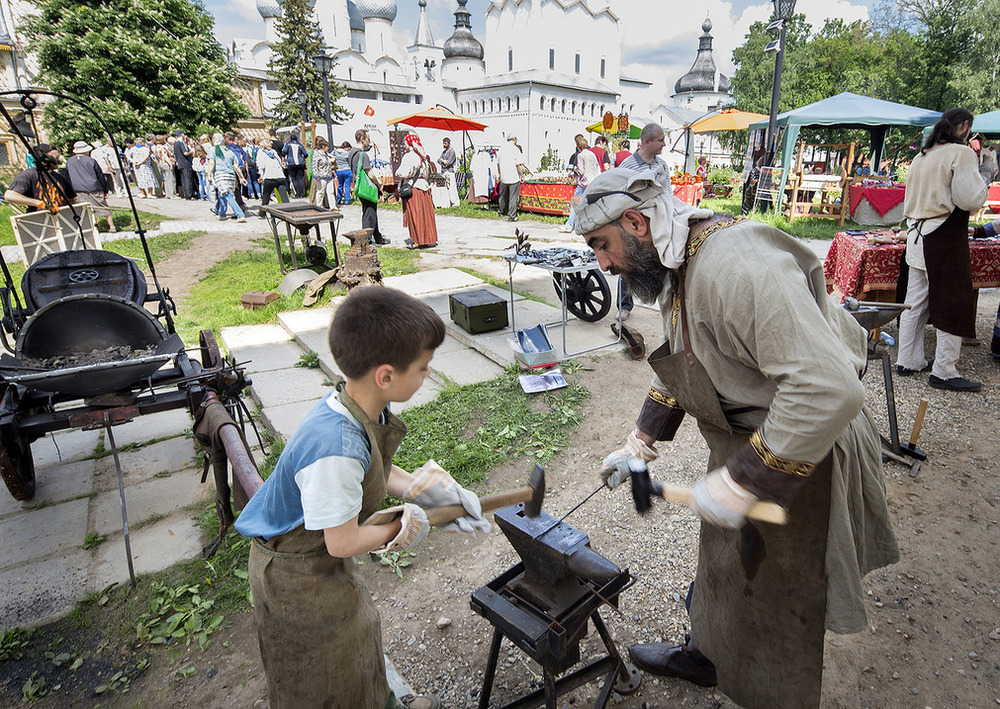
point(659, 44)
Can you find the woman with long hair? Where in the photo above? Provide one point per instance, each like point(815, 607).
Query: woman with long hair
point(418, 207)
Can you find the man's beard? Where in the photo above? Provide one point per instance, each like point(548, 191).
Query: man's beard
point(644, 273)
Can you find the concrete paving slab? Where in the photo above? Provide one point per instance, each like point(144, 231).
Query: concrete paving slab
point(252, 335)
point(328, 365)
point(283, 420)
point(266, 358)
point(58, 483)
point(466, 367)
point(149, 426)
point(305, 320)
point(44, 589)
point(442, 279)
point(145, 462)
point(64, 446)
point(157, 496)
point(36, 534)
point(287, 386)
point(154, 548)
point(450, 344)
point(315, 340)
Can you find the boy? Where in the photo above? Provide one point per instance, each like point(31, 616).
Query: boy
point(318, 629)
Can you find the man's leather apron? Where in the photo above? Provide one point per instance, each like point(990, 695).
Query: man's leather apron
point(324, 636)
point(952, 299)
point(758, 609)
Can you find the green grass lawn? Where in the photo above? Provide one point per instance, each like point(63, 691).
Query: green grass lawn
point(122, 218)
point(160, 247)
point(215, 301)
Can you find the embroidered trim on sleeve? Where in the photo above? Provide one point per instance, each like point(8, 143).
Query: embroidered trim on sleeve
point(789, 467)
point(660, 398)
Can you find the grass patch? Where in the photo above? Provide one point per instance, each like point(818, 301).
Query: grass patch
point(214, 302)
point(6, 230)
point(160, 247)
point(125, 222)
point(468, 432)
point(824, 229)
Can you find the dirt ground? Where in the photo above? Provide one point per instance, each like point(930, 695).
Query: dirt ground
point(934, 618)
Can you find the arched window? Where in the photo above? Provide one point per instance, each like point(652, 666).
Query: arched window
point(604, 65)
point(593, 109)
point(583, 108)
point(564, 105)
point(517, 103)
point(491, 106)
point(541, 104)
point(552, 105)
point(508, 104)
point(510, 59)
point(573, 108)
point(552, 59)
point(577, 63)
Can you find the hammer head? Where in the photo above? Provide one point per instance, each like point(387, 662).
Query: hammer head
point(533, 507)
point(642, 487)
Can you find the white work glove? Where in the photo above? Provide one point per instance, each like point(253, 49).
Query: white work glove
point(415, 527)
point(617, 467)
point(433, 486)
point(719, 500)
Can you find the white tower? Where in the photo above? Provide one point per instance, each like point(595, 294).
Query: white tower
point(378, 16)
point(270, 10)
point(463, 54)
point(334, 22)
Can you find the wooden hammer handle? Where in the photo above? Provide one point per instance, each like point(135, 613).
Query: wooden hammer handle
point(918, 423)
point(437, 516)
point(761, 511)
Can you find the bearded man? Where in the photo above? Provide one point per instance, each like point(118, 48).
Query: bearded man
point(769, 366)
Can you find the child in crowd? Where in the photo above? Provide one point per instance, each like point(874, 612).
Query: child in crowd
point(317, 626)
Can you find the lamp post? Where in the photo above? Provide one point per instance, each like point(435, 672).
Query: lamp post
point(783, 12)
point(324, 65)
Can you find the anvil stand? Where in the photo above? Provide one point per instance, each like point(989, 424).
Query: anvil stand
point(564, 570)
point(872, 316)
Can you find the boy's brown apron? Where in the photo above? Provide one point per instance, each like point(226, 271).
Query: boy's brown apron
point(758, 610)
point(324, 637)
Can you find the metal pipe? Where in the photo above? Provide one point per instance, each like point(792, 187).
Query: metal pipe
point(245, 473)
point(772, 123)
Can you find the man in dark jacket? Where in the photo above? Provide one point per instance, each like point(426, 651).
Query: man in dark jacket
point(182, 156)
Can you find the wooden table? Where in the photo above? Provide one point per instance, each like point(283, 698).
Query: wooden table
point(854, 268)
point(304, 217)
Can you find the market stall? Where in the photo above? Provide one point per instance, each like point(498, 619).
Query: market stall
point(690, 193)
point(869, 271)
point(547, 195)
point(876, 203)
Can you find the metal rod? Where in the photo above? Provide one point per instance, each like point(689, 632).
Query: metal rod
point(121, 496)
point(578, 506)
point(772, 124)
point(491, 670)
point(890, 402)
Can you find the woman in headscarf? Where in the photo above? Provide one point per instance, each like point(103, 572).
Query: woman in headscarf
point(227, 171)
point(142, 161)
point(418, 208)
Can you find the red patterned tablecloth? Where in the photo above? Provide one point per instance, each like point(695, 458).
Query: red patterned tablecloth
point(853, 267)
point(993, 197)
point(689, 194)
point(546, 197)
point(882, 199)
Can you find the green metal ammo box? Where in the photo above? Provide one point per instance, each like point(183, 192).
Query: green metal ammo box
point(478, 311)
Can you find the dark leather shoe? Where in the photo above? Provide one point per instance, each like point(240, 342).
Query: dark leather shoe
point(954, 384)
point(674, 661)
point(906, 371)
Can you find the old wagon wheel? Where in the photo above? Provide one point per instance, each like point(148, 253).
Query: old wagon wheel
point(587, 294)
point(16, 465)
point(211, 357)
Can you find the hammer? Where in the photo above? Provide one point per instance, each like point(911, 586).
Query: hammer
point(643, 487)
point(911, 448)
point(531, 495)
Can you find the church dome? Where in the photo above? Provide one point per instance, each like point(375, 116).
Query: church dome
point(377, 9)
point(462, 42)
point(701, 76)
point(357, 24)
point(269, 8)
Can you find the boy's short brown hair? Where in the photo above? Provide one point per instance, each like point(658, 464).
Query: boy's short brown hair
point(376, 325)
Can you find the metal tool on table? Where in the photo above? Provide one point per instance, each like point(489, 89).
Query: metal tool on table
point(543, 606)
point(531, 495)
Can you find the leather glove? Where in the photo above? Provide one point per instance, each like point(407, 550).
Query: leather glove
point(617, 466)
point(433, 486)
point(718, 499)
point(414, 531)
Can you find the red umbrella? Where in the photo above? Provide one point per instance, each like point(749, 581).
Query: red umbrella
point(439, 119)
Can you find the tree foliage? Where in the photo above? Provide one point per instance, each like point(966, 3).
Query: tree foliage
point(299, 41)
point(142, 65)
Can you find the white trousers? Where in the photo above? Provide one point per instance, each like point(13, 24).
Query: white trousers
point(911, 332)
point(325, 192)
point(452, 189)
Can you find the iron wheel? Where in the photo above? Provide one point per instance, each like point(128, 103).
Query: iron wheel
point(16, 464)
point(588, 296)
point(211, 356)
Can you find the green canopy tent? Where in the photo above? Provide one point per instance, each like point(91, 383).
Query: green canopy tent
point(987, 123)
point(847, 110)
